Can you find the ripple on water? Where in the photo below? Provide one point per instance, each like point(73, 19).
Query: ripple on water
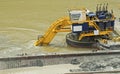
point(13, 41)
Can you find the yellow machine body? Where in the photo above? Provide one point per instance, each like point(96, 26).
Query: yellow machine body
point(64, 25)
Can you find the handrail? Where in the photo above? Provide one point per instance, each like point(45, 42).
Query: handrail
point(92, 33)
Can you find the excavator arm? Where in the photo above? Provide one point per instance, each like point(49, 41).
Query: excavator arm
point(58, 26)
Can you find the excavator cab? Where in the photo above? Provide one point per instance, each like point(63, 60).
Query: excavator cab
point(77, 15)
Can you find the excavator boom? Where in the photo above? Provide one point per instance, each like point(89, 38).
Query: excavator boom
point(57, 26)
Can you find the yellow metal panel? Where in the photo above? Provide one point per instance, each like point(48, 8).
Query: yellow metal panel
point(53, 29)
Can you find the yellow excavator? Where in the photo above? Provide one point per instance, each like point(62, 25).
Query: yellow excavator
point(85, 28)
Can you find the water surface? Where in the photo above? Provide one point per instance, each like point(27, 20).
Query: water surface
point(21, 21)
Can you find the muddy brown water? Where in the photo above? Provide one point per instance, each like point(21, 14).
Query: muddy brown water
point(21, 21)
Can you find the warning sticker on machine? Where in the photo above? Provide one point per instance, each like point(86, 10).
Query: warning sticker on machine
point(96, 32)
point(77, 28)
